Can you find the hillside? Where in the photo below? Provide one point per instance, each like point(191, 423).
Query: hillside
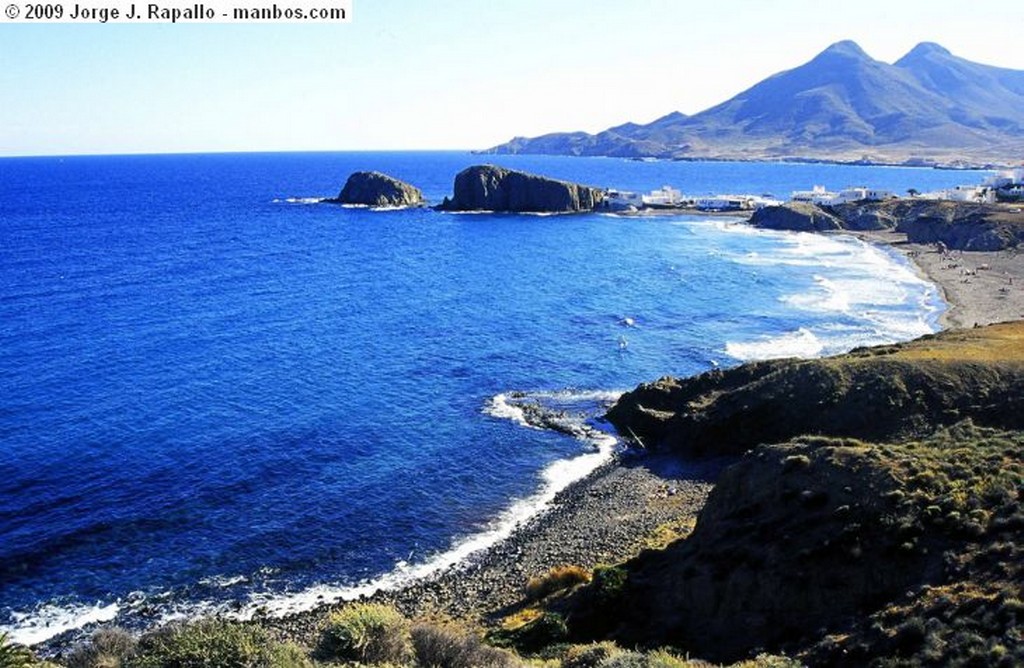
point(874, 520)
point(842, 105)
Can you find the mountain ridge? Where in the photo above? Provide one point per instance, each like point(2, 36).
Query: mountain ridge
point(930, 106)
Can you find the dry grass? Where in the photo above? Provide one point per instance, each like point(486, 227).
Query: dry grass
point(557, 579)
point(997, 343)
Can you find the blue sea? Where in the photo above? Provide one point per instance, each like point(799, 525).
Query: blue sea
point(220, 395)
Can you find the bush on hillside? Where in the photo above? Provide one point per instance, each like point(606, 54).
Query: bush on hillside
point(368, 633)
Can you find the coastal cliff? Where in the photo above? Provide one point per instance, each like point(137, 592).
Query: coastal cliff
point(874, 393)
point(958, 225)
point(882, 495)
point(377, 189)
point(491, 188)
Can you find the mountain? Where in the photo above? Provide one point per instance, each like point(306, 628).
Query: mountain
point(929, 106)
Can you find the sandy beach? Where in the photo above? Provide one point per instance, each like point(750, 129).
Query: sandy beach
point(980, 288)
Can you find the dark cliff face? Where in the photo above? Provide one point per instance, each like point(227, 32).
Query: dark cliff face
point(962, 225)
point(376, 189)
point(490, 188)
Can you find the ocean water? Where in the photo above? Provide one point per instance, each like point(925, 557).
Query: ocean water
point(221, 395)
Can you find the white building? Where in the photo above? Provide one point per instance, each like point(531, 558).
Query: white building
point(979, 194)
point(818, 195)
point(1005, 178)
point(664, 196)
point(622, 200)
point(725, 203)
point(852, 194)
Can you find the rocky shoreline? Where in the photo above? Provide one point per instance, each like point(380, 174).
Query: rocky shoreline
point(603, 519)
point(609, 516)
point(639, 499)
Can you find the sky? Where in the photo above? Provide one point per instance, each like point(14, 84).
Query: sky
point(438, 74)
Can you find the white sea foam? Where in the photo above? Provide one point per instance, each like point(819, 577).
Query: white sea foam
point(801, 343)
point(556, 477)
point(49, 620)
point(298, 200)
point(874, 294)
point(223, 581)
point(500, 407)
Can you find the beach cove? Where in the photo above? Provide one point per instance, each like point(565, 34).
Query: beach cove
point(815, 295)
point(632, 502)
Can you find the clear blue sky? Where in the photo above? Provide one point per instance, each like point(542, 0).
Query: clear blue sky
point(419, 74)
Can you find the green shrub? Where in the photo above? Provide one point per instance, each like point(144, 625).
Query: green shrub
point(108, 648)
point(13, 655)
point(547, 629)
point(625, 660)
point(209, 642)
point(665, 659)
point(589, 656)
point(369, 633)
point(439, 646)
point(608, 583)
point(289, 655)
point(556, 579)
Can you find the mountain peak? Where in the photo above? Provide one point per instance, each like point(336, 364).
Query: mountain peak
point(846, 48)
point(923, 50)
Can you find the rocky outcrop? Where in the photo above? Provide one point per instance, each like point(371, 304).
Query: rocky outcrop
point(962, 225)
point(865, 216)
point(376, 189)
point(959, 225)
point(876, 393)
point(753, 574)
point(796, 216)
point(491, 188)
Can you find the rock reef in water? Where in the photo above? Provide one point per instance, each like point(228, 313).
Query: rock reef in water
point(491, 188)
point(377, 189)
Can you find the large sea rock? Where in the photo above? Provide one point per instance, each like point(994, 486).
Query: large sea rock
point(796, 216)
point(376, 189)
point(491, 188)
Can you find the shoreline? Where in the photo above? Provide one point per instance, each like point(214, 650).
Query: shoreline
point(611, 514)
point(979, 287)
point(642, 494)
